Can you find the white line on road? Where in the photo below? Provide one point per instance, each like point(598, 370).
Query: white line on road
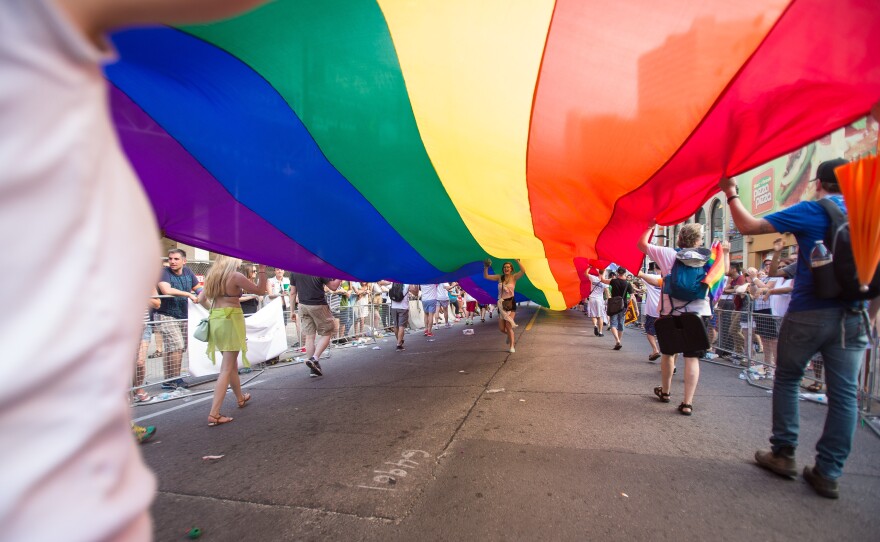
point(187, 404)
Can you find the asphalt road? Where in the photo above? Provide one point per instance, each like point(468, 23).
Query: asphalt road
point(456, 439)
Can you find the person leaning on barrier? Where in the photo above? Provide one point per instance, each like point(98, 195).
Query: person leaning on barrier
point(179, 281)
point(830, 326)
point(690, 237)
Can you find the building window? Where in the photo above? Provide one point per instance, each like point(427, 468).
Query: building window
point(717, 212)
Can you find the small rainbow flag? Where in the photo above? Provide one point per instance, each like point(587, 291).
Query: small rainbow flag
point(716, 276)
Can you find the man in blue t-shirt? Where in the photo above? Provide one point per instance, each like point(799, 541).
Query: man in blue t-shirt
point(830, 326)
point(179, 281)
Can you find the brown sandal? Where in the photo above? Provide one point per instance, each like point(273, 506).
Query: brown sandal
point(244, 399)
point(664, 397)
point(219, 419)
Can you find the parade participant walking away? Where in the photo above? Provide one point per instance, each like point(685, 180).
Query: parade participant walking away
point(70, 199)
point(470, 306)
point(596, 301)
point(832, 327)
point(316, 319)
point(506, 302)
point(443, 303)
point(179, 281)
point(224, 286)
point(429, 305)
point(689, 239)
point(621, 290)
point(652, 303)
point(399, 296)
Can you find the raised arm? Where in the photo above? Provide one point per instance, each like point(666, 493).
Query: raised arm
point(653, 280)
point(745, 222)
point(486, 274)
point(259, 288)
point(522, 270)
point(643, 241)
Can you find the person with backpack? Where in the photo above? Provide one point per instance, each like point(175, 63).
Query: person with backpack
point(399, 295)
point(621, 291)
point(683, 293)
point(836, 327)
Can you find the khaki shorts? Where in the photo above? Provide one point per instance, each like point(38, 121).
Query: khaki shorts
point(172, 332)
point(316, 318)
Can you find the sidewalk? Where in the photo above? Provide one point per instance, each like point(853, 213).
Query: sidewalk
point(456, 439)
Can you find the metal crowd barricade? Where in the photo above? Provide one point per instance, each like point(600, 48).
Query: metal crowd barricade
point(161, 372)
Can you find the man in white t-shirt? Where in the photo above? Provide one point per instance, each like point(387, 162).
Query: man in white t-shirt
point(690, 237)
point(429, 304)
point(71, 469)
point(596, 301)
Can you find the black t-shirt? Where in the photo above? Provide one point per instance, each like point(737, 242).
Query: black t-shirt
point(309, 289)
point(176, 307)
point(620, 287)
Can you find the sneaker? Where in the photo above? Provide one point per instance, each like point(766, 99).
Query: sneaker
point(143, 434)
point(601, 334)
point(595, 331)
point(448, 324)
point(428, 334)
point(314, 367)
point(781, 463)
point(826, 487)
point(618, 346)
point(512, 350)
point(399, 347)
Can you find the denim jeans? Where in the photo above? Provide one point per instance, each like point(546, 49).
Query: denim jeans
point(803, 334)
point(617, 320)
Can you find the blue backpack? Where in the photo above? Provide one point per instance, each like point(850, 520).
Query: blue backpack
point(684, 281)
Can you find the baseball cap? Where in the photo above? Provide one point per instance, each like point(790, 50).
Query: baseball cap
point(825, 171)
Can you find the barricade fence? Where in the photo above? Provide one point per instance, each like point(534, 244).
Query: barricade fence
point(748, 340)
point(161, 369)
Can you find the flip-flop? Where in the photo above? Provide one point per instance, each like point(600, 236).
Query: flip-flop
point(653, 357)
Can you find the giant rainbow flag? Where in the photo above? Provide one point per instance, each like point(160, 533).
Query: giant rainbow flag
point(411, 140)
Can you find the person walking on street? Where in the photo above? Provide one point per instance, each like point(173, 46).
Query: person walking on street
point(596, 300)
point(506, 302)
point(621, 290)
point(224, 286)
point(317, 319)
point(690, 239)
point(832, 327)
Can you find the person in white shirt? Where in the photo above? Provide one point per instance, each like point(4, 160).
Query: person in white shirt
point(690, 237)
point(652, 302)
point(596, 301)
point(429, 303)
point(279, 286)
point(69, 197)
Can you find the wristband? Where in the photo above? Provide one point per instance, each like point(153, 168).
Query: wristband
point(731, 198)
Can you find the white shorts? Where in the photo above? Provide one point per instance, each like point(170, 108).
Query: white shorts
point(595, 307)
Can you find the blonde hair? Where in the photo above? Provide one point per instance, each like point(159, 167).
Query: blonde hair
point(215, 281)
point(689, 235)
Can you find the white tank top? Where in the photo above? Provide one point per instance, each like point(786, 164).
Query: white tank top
point(73, 213)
